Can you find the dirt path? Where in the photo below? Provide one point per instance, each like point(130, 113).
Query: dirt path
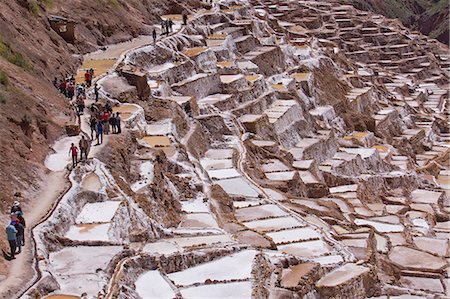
point(20, 270)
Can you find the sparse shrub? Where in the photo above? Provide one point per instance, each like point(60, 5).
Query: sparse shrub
point(12, 56)
point(48, 3)
point(33, 7)
point(115, 3)
point(4, 80)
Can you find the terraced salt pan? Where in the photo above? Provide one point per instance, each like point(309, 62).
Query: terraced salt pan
point(219, 153)
point(293, 235)
point(213, 164)
point(232, 290)
point(380, 226)
point(342, 275)
point(280, 176)
point(238, 187)
point(199, 220)
point(235, 266)
point(344, 188)
point(200, 240)
point(307, 248)
point(274, 224)
point(195, 206)
point(220, 174)
point(259, 212)
point(75, 268)
point(152, 285)
point(161, 247)
point(86, 232)
point(126, 110)
point(272, 194)
point(92, 182)
point(156, 69)
point(328, 260)
point(246, 203)
point(274, 165)
point(98, 212)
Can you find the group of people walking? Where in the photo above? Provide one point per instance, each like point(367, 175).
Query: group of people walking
point(15, 231)
point(166, 27)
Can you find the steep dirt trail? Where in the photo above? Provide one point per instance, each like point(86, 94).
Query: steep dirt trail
point(56, 184)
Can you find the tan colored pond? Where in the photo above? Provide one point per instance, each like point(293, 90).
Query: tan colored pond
point(100, 67)
point(300, 76)
point(125, 111)
point(194, 51)
point(92, 182)
point(160, 142)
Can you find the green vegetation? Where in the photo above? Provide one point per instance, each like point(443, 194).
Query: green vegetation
point(4, 80)
point(33, 7)
point(115, 3)
point(12, 56)
point(48, 3)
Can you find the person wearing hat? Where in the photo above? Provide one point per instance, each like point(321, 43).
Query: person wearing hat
point(16, 207)
point(11, 233)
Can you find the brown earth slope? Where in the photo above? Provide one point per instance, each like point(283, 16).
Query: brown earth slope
point(427, 16)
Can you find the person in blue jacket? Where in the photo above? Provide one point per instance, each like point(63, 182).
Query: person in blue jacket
point(11, 233)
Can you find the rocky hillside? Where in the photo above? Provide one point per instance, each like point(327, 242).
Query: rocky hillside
point(427, 16)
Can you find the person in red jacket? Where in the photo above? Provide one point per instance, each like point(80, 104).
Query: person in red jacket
point(105, 121)
point(88, 78)
point(74, 151)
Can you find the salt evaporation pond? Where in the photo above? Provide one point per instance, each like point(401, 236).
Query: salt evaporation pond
point(235, 266)
point(238, 187)
point(307, 248)
point(291, 235)
point(258, 212)
point(98, 212)
point(151, 285)
point(274, 224)
point(89, 232)
point(233, 290)
point(76, 268)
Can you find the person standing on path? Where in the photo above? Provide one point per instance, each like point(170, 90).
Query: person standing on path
point(87, 78)
point(185, 18)
point(105, 121)
point(96, 90)
point(74, 151)
point(163, 27)
point(19, 235)
point(11, 233)
point(154, 36)
point(99, 133)
point(84, 147)
point(16, 207)
point(113, 122)
point(22, 221)
point(170, 25)
point(92, 125)
point(119, 130)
